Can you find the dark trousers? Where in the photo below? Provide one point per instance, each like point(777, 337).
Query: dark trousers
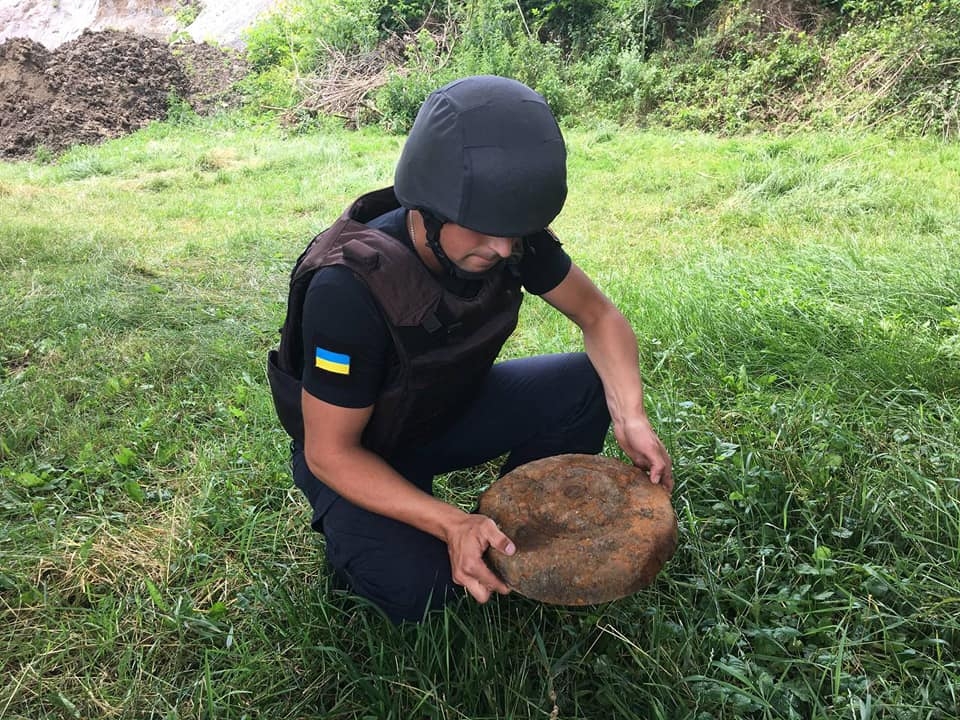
point(527, 409)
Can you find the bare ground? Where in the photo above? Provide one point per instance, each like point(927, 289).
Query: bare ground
point(102, 85)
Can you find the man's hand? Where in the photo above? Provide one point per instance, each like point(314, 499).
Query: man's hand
point(641, 444)
point(612, 347)
point(467, 540)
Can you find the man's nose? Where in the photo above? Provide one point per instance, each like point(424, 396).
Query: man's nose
point(502, 246)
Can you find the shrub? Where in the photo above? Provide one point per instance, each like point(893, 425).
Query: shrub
point(900, 70)
point(492, 40)
point(272, 89)
point(297, 36)
point(688, 63)
point(569, 24)
point(398, 101)
point(884, 9)
point(397, 16)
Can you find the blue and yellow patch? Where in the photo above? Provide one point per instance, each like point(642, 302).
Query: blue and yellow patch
point(333, 362)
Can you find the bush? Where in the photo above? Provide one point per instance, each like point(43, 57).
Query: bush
point(292, 42)
point(274, 88)
point(686, 63)
point(398, 101)
point(397, 16)
point(492, 41)
point(901, 71)
point(569, 24)
point(495, 40)
point(883, 9)
point(584, 27)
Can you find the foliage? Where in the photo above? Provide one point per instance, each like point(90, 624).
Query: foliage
point(749, 89)
point(697, 64)
point(493, 40)
point(292, 41)
point(400, 98)
point(584, 27)
point(186, 12)
point(902, 70)
point(496, 41)
point(884, 9)
point(297, 35)
point(569, 23)
point(395, 16)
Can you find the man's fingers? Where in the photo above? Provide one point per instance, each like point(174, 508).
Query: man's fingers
point(661, 475)
point(488, 579)
point(483, 585)
point(497, 585)
point(656, 473)
point(499, 541)
point(479, 592)
point(466, 555)
point(491, 536)
point(667, 480)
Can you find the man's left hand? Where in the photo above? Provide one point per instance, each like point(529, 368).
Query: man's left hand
point(641, 444)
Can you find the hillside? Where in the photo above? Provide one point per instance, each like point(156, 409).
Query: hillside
point(106, 68)
point(206, 21)
point(727, 67)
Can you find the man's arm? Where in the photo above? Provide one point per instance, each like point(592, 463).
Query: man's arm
point(612, 348)
point(335, 456)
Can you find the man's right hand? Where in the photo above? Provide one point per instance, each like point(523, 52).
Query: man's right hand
point(467, 540)
point(335, 455)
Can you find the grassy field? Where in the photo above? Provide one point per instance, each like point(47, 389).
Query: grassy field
point(797, 303)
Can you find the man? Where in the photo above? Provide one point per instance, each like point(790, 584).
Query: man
point(385, 374)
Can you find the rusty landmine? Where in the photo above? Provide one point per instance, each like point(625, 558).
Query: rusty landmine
point(588, 529)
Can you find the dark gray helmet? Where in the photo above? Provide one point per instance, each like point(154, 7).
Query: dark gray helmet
point(485, 152)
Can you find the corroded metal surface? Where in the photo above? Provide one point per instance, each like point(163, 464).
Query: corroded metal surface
point(588, 529)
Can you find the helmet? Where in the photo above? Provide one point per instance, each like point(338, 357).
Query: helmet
point(485, 152)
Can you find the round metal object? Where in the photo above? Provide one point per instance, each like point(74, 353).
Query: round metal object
point(588, 529)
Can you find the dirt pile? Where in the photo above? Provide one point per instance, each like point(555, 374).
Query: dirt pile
point(212, 73)
point(102, 85)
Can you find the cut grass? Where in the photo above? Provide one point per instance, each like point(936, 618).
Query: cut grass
point(796, 303)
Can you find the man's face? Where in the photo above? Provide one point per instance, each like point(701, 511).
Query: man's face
point(473, 251)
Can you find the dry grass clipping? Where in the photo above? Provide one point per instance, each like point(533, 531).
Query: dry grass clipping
point(346, 83)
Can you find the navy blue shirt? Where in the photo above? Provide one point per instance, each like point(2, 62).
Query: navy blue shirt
point(342, 324)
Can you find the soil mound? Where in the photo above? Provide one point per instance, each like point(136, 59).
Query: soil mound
point(212, 74)
point(101, 85)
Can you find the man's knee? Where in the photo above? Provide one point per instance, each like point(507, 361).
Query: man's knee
point(404, 600)
point(405, 592)
point(401, 570)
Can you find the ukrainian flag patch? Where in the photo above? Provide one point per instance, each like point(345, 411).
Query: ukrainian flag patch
point(333, 362)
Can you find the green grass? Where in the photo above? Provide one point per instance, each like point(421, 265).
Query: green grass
point(797, 303)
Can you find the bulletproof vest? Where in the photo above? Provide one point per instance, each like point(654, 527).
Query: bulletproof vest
point(443, 344)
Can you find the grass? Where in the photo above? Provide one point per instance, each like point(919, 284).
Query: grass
point(797, 303)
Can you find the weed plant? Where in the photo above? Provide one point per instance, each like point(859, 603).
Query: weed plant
point(797, 304)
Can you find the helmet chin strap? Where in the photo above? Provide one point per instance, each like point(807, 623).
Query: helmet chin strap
point(433, 225)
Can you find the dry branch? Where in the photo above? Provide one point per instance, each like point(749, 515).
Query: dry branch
point(345, 84)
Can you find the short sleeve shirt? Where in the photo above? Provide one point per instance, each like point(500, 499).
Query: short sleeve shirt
point(347, 346)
